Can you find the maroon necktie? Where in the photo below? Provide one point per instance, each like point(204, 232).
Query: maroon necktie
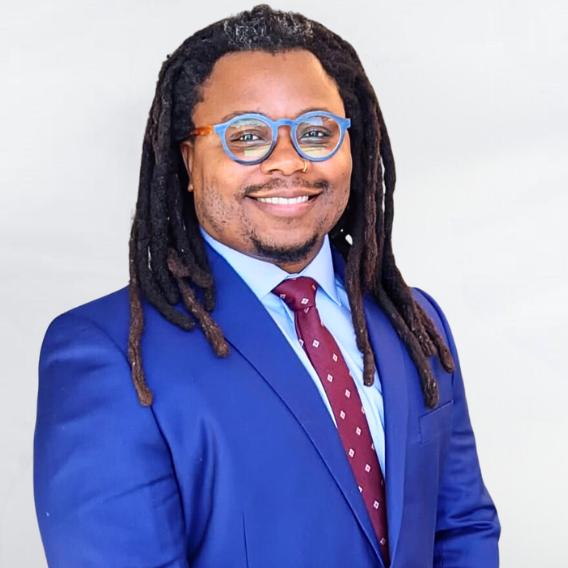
point(325, 355)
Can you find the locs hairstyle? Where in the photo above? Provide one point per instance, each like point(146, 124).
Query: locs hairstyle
point(168, 263)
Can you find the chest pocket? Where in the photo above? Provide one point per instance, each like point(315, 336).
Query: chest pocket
point(436, 423)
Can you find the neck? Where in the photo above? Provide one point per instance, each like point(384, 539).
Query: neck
point(297, 267)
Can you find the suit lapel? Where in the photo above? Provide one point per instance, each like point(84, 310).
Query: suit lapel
point(392, 371)
point(391, 364)
point(251, 331)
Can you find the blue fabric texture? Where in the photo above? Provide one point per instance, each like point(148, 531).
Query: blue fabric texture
point(238, 462)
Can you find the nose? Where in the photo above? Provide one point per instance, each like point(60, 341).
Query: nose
point(284, 157)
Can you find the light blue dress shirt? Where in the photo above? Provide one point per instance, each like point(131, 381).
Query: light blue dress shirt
point(333, 306)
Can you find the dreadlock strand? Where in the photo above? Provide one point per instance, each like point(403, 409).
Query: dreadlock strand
point(198, 246)
point(137, 237)
point(370, 247)
point(201, 277)
point(210, 328)
point(134, 336)
point(355, 293)
point(139, 257)
point(440, 347)
point(158, 205)
point(392, 279)
point(427, 380)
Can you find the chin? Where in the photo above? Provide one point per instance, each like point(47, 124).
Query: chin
point(285, 253)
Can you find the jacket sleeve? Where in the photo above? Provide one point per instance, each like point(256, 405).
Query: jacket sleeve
point(104, 485)
point(467, 526)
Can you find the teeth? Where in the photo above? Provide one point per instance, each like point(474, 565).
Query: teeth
point(283, 200)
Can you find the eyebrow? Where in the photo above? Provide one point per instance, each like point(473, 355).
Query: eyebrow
point(238, 112)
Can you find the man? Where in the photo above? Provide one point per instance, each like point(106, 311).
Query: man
point(315, 415)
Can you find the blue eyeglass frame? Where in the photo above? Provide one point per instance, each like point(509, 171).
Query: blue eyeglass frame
point(221, 129)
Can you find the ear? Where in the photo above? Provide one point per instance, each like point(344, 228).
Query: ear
point(187, 149)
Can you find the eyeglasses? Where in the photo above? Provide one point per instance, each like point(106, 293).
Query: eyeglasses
point(250, 138)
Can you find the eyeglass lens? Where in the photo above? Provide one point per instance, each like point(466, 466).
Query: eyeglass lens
point(250, 139)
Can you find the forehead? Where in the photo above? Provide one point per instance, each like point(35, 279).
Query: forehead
point(277, 85)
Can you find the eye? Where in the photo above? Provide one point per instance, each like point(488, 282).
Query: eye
point(314, 134)
point(247, 137)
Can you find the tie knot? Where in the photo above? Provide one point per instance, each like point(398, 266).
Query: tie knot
point(298, 293)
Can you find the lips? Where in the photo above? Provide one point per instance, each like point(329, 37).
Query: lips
point(285, 206)
point(285, 192)
point(284, 200)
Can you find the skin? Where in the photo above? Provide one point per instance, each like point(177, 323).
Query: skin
point(284, 85)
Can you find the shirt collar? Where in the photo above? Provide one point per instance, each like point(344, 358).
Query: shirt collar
point(262, 276)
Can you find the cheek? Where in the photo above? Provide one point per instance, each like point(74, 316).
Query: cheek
point(343, 162)
point(216, 192)
point(207, 180)
point(341, 202)
point(343, 180)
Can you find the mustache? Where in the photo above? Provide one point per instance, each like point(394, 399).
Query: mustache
point(280, 183)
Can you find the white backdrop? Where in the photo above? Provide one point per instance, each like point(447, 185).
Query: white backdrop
point(474, 95)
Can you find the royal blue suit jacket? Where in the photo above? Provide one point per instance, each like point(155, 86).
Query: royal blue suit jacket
point(238, 463)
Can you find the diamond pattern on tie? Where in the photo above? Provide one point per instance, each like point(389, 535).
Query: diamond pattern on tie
point(353, 429)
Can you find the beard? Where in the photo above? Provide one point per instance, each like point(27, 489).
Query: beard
point(283, 255)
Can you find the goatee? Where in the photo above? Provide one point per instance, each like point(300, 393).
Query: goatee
point(284, 255)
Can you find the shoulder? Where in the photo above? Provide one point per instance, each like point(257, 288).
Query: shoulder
point(434, 312)
point(110, 316)
point(92, 337)
point(109, 313)
point(95, 335)
point(83, 364)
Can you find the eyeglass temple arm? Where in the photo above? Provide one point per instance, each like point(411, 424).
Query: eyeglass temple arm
point(202, 130)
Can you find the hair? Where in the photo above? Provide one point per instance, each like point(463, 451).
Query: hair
point(168, 263)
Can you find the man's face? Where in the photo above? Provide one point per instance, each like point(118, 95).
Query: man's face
point(226, 193)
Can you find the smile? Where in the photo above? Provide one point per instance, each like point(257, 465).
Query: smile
point(284, 200)
point(285, 207)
